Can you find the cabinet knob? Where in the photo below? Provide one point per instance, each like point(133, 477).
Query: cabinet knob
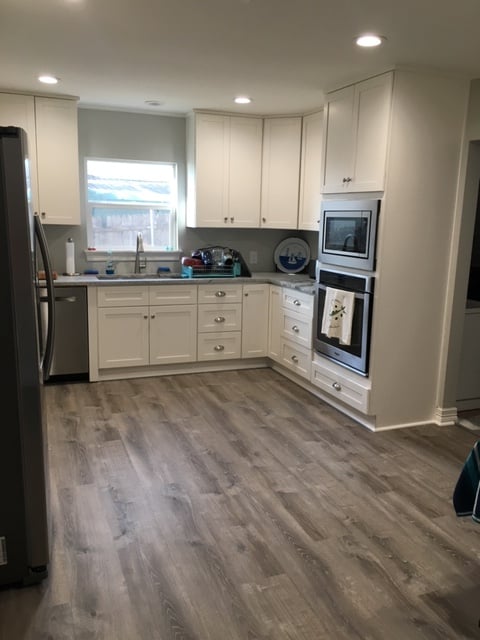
point(295, 328)
point(264, 219)
point(145, 317)
point(43, 214)
point(220, 294)
point(225, 219)
point(346, 180)
point(219, 319)
point(294, 359)
point(297, 303)
point(219, 347)
point(152, 316)
point(232, 219)
point(337, 386)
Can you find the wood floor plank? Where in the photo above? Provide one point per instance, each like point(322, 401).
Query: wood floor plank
point(237, 506)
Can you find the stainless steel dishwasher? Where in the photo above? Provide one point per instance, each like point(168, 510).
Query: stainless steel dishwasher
point(70, 351)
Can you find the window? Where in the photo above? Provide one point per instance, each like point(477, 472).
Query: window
point(125, 197)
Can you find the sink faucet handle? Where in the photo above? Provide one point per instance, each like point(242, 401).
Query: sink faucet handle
point(139, 241)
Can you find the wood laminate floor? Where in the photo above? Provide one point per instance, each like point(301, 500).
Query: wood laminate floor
point(236, 506)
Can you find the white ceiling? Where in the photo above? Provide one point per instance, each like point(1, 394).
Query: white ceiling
point(200, 53)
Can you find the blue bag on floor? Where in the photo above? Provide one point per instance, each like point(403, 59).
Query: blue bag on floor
point(466, 495)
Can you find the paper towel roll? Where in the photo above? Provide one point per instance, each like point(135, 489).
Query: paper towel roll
point(70, 257)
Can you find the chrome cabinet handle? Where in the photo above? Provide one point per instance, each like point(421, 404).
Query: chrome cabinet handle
point(346, 180)
point(219, 347)
point(297, 303)
point(219, 319)
point(337, 386)
point(220, 294)
point(295, 328)
point(294, 359)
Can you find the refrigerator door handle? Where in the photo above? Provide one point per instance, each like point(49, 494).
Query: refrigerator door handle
point(46, 357)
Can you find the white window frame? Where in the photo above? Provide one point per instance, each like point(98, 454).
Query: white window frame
point(94, 254)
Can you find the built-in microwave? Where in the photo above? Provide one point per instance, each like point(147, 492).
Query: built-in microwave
point(348, 233)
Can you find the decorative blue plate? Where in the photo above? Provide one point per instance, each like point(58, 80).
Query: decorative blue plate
point(292, 255)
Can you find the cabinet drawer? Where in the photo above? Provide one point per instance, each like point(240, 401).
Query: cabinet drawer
point(172, 294)
point(297, 328)
point(296, 358)
point(297, 301)
point(341, 386)
point(219, 317)
point(127, 296)
point(219, 346)
point(213, 294)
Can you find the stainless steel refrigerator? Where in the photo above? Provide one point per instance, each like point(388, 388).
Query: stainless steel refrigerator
point(25, 361)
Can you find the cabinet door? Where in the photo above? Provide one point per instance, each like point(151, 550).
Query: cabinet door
point(255, 320)
point(357, 129)
point(57, 160)
point(211, 170)
point(338, 142)
point(19, 111)
point(280, 173)
point(173, 334)
point(373, 104)
point(275, 323)
point(122, 337)
point(245, 171)
point(311, 172)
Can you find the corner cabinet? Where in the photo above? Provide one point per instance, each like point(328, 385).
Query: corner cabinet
point(311, 172)
point(280, 172)
point(357, 122)
point(52, 138)
point(224, 170)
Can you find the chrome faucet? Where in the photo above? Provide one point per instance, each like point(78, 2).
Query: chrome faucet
point(140, 260)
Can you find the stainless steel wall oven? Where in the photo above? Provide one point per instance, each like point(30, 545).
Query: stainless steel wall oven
point(355, 355)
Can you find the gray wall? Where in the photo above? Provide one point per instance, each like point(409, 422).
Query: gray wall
point(132, 136)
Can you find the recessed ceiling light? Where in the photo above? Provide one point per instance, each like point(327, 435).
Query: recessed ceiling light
point(243, 100)
point(154, 103)
point(48, 79)
point(369, 40)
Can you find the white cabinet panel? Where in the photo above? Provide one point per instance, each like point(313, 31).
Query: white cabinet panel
point(173, 333)
point(280, 172)
point(255, 320)
point(123, 337)
point(219, 346)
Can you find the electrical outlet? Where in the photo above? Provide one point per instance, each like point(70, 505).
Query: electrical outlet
point(253, 257)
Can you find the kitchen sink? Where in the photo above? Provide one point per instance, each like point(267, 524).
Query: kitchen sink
point(140, 276)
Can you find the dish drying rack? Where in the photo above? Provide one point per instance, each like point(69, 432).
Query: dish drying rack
point(212, 271)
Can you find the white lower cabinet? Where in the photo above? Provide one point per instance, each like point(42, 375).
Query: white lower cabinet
point(219, 322)
point(342, 385)
point(290, 326)
point(131, 332)
point(123, 337)
point(255, 320)
point(296, 358)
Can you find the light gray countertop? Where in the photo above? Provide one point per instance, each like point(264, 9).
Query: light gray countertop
point(299, 282)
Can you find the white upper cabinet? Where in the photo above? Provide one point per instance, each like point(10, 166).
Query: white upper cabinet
point(224, 171)
point(57, 160)
point(52, 139)
point(311, 172)
point(355, 146)
point(281, 172)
